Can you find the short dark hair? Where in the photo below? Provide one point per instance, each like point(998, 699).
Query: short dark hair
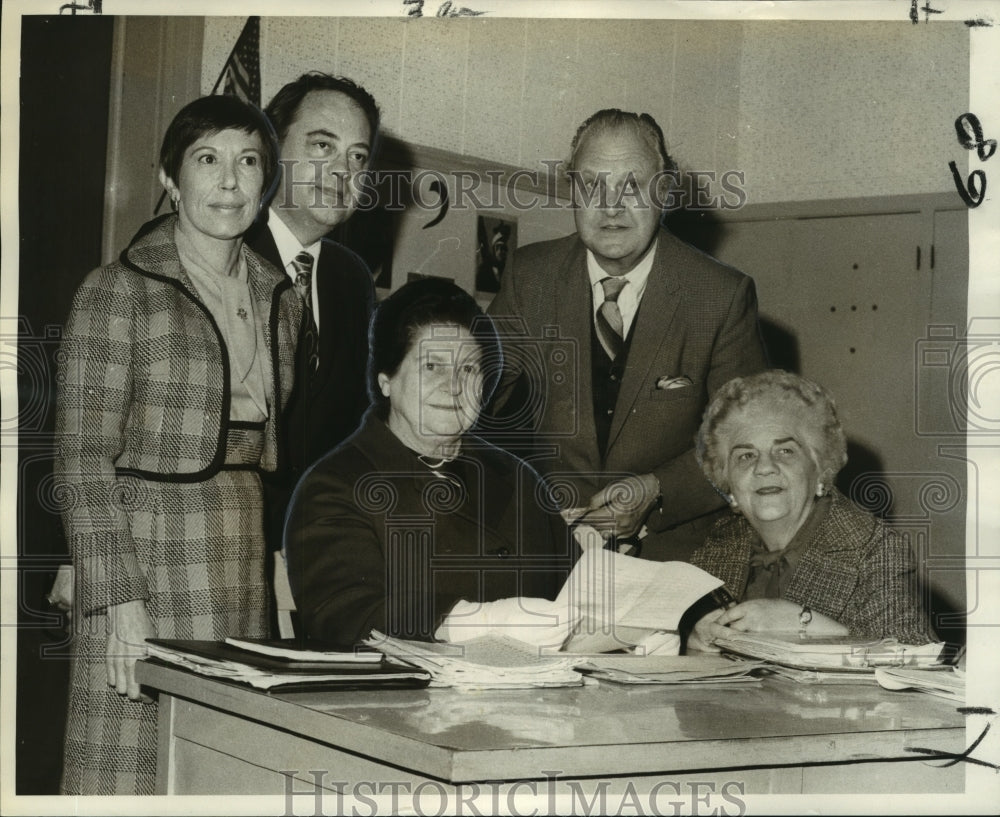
point(427, 301)
point(284, 106)
point(616, 119)
point(827, 442)
point(213, 114)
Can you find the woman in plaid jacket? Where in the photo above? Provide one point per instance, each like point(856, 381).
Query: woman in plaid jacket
point(175, 363)
point(797, 554)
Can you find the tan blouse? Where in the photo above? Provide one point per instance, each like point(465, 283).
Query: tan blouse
point(228, 299)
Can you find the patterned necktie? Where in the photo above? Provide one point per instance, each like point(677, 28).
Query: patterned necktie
point(610, 326)
point(303, 265)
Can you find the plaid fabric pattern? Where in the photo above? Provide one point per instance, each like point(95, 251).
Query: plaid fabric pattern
point(148, 511)
point(855, 570)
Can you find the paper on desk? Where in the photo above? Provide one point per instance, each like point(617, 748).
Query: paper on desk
point(623, 598)
point(294, 652)
point(946, 682)
point(844, 653)
point(365, 673)
point(668, 669)
point(491, 661)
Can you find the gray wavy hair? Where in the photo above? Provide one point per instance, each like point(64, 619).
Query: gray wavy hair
point(830, 453)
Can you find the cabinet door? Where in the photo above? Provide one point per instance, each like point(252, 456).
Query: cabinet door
point(850, 302)
point(844, 302)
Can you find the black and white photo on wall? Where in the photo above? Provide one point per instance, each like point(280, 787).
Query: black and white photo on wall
point(496, 241)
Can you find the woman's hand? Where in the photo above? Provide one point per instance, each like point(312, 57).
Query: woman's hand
point(776, 615)
point(130, 626)
point(703, 635)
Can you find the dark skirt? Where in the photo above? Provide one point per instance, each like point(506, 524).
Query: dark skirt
point(202, 548)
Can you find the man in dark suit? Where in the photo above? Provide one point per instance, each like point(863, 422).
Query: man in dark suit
point(614, 339)
point(326, 128)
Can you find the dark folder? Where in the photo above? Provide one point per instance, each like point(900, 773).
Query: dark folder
point(276, 674)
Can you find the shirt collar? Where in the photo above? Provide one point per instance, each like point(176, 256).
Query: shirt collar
point(288, 245)
point(637, 276)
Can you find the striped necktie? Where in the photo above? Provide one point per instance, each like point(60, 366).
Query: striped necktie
point(303, 265)
point(610, 326)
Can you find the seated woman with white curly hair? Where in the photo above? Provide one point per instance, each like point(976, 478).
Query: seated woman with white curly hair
point(796, 554)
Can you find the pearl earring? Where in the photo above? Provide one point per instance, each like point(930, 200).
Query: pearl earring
point(819, 489)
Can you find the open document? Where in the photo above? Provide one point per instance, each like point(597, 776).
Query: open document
point(623, 599)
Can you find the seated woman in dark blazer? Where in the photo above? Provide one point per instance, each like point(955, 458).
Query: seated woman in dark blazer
point(413, 526)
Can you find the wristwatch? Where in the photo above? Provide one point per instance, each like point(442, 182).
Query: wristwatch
point(805, 616)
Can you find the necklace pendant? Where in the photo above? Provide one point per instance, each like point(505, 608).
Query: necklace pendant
point(241, 313)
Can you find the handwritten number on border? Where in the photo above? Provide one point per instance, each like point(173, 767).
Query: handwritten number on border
point(970, 136)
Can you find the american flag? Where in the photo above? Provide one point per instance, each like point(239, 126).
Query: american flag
point(241, 74)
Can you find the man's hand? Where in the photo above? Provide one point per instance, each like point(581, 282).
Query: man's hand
point(625, 503)
point(130, 626)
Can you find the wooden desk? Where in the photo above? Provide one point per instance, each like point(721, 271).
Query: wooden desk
point(772, 737)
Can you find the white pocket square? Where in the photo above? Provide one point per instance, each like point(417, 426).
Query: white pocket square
point(667, 382)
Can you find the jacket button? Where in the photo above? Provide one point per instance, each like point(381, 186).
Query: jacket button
point(503, 553)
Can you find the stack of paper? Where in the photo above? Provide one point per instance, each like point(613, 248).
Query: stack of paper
point(947, 682)
point(488, 662)
point(819, 676)
point(843, 654)
point(669, 669)
point(345, 670)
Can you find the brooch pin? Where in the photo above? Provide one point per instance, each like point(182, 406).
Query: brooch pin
point(241, 313)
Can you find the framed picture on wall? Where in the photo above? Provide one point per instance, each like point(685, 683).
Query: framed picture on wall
point(496, 240)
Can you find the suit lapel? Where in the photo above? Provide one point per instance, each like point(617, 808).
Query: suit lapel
point(651, 332)
point(327, 308)
point(574, 317)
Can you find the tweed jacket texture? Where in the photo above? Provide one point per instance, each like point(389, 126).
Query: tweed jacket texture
point(696, 325)
point(376, 540)
point(326, 406)
point(856, 570)
point(144, 392)
point(161, 492)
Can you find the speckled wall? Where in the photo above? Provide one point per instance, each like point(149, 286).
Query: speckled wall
point(808, 110)
point(832, 110)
